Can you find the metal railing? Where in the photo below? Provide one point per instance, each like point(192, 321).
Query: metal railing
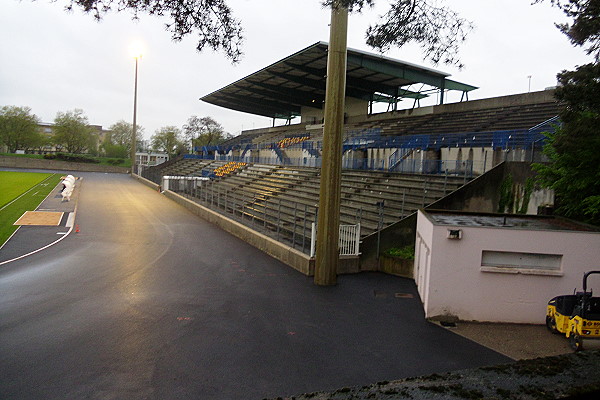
point(260, 212)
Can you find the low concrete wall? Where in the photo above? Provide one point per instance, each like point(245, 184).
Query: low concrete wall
point(36, 163)
point(292, 257)
point(286, 254)
point(396, 266)
point(480, 195)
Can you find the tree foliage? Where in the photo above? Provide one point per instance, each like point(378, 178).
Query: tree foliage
point(19, 128)
point(72, 132)
point(167, 139)
point(117, 142)
point(438, 29)
point(585, 28)
point(212, 20)
point(204, 131)
point(574, 148)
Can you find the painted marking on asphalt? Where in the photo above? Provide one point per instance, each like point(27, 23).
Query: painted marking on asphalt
point(61, 233)
point(184, 318)
point(70, 220)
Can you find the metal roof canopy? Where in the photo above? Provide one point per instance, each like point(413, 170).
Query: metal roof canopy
point(282, 88)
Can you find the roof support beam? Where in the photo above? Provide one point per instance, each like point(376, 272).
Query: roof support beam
point(360, 84)
point(396, 70)
point(282, 94)
point(269, 108)
point(311, 83)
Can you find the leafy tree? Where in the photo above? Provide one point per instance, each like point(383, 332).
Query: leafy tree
point(114, 150)
point(19, 128)
point(72, 132)
point(585, 28)
point(40, 142)
point(574, 148)
point(167, 139)
point(204, 131)
point(117, 142)
point(438, 29)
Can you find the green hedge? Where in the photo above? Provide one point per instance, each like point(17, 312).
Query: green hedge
point(72, 158)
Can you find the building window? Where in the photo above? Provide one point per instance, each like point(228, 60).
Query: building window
point(525, 263)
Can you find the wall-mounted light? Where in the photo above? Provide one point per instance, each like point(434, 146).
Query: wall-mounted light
point(454, 234)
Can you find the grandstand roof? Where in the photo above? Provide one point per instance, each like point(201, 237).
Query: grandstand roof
point(281, 89)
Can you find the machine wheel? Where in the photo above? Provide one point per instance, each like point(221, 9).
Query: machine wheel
point(576, 342)
point(551, 324)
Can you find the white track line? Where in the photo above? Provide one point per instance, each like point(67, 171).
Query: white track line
point(48, 245)
point(6, 205)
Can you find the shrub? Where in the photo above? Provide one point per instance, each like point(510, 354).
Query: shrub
point(76, 158)
point(407, 252)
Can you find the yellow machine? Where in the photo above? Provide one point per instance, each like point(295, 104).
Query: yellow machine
point(577, 316)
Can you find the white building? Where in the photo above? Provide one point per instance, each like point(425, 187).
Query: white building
point(150, 159)
point(490, 267)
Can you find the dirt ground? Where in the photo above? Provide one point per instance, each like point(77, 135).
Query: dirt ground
point(518, 341)
point(40, 218)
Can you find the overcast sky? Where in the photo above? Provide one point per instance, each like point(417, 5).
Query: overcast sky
point(52, 61)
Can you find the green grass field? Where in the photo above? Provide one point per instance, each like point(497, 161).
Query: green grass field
point(20, 192)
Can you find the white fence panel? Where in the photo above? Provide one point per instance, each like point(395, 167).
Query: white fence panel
point(349, 240)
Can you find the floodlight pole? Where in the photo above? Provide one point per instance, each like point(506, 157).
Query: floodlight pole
point(328, 224)
point(134, 131)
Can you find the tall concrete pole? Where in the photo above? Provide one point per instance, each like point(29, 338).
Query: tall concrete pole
point(327, 253)
point(134, 132)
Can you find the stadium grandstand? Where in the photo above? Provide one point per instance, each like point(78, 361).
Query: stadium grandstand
point(394, 162)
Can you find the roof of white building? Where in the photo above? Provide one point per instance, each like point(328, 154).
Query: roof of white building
point(509, 221)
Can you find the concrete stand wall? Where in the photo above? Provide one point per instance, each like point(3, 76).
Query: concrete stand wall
point(282, 252)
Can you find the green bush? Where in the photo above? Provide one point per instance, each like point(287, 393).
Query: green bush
point(407, 252)
point(115, 161)
point(71, 158)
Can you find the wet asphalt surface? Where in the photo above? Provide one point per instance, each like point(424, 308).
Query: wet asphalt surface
point(148, 301)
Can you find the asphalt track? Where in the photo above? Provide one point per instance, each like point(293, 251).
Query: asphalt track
point(148, 301)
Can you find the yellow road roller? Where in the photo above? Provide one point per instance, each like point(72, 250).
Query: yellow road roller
point(577, 316)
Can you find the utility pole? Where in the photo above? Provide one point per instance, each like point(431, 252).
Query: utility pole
point(328, 224)
point(134, 132)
